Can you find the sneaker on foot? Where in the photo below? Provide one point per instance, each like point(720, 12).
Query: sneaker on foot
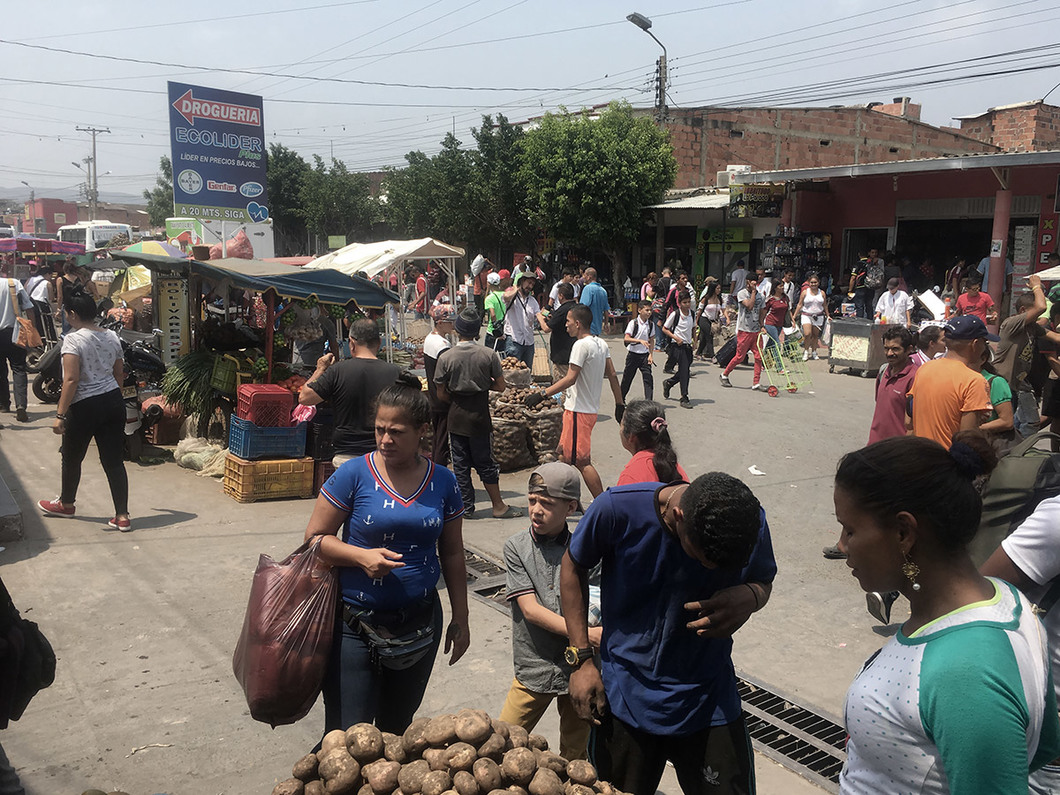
point(806, 356)
point(834, 553)
point(815, 357)
point(725, 380)
point(879, 606)
point(686, 403)
point(21, 415)
point(667, 386)
point(125, 525)
point(756, 387)
point(55, 507)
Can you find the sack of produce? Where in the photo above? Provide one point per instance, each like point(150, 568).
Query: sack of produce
point(518, 378)
point(282, 653)
point(545, 421)
point(511, 443)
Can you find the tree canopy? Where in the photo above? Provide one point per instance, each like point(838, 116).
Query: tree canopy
point(160, 197)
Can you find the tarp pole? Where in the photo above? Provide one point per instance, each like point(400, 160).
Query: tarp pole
point(270, 322)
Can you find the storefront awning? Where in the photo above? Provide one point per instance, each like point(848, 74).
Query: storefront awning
point(287, 281)
point(704, 201)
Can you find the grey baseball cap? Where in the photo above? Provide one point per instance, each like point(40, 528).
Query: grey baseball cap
point(558, 480)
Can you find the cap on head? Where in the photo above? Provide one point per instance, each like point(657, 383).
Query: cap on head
point(968, 327)
point(523, 276)
point(557, 480)
point(493, 278)
point(505, 273)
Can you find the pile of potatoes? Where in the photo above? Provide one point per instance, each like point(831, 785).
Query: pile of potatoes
point(519, 394)
point(468, 753)
point(512, 363)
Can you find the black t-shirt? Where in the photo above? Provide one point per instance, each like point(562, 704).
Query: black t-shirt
point(561, 342)
point(351, 387)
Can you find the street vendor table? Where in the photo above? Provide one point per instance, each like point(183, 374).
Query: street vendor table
point(857, 344)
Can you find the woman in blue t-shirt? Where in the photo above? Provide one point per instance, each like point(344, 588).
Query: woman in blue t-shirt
point(390, 549)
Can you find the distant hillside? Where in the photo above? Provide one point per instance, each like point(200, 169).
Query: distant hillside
point(21, 194)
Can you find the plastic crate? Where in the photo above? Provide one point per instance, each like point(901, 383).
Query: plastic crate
point(247, 440)
point(319, 442)
point(321, 472)
point(227, 376)
point(265, 405)
point(250, 481)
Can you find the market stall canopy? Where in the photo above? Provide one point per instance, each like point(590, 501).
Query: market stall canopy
point(371, 259)
point(156, 247)
point(288, 281)
point(133, 283)
point(40, 245)
point(1050, 274)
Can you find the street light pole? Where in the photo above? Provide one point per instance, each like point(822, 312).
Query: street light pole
point(93, 172)
point(32, 206)
point(644, 24)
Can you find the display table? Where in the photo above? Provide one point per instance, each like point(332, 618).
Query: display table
point(857, 344)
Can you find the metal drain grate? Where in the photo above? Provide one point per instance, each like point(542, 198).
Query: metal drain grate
point(790, 734)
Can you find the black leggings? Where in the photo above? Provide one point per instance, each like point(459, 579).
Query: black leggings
point(706, 340)
point(100, 417)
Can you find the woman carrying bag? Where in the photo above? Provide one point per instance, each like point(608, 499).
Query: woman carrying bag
point(91, 408)
point(390, 549)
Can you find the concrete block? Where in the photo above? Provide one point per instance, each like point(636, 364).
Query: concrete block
point(10, 515)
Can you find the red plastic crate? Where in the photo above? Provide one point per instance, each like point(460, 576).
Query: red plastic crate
point(265, 405)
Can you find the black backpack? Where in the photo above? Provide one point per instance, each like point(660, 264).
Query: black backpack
point(1022, 479)
point(27, 661)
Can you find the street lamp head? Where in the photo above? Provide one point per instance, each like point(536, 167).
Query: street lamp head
point(24, 183)
point(639, 20)
point(75, 164)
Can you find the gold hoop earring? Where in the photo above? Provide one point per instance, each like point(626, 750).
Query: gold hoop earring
point(911, 571)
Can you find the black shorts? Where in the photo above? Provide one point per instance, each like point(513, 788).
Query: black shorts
point(1051, 400)
point(717, 760)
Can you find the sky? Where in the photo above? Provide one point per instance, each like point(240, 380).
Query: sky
point(367, 81)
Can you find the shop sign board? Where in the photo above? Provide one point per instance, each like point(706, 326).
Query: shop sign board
point(756, 201)
point(217, 140)
point(173, 318)
point(336, 242)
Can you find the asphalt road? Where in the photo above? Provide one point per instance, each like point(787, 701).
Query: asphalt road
point(144, 623)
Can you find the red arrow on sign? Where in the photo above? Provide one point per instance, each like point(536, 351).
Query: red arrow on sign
point(192, 109)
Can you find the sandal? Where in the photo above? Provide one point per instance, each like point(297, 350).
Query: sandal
point(510, 513)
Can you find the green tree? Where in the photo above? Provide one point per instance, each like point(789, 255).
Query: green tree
point(408, 191)
point(497, 196)
point(587, 179)
point(287, 173)
point(335, 201)
point(160, 197)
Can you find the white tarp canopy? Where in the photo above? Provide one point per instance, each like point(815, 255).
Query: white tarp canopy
point(1050, 274)
point(371, 259)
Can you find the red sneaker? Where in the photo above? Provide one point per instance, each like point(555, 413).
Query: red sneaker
point(56, 508)
point(125, 525)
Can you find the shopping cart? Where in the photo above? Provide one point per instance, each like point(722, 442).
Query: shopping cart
point(783, 364)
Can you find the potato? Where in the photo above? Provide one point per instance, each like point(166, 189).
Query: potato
point(314, 788)
point(364, 742)
point(473, 727)
point(394, 748)
point(603, 788)
point(347, 782)
point(537, 742)
point(552, 761)
point(460, 756)
point(435, 783)
point(382, 776)
point(292, 786)
point(464, 783)
point(366, 789)
point(581, 772)
point(499, 792)
point(333, 739)
point(336, 762)
point(413, 739)
point(516, 790)
point(305, 769)
point(501, 728)
point(487, 774)
point(411, 775)
point(570, 788)
point(493, 748)
point(519, 766)
point(546, 782)
point(518, 736)
point(440, 731)
point(437, 758)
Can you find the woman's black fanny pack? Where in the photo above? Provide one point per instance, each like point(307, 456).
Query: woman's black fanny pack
point(399, 638)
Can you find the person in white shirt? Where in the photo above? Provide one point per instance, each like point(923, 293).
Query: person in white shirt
point(679, 327)
point(765, 283)
point(640, 349)
point(590, 364)
point(738, 279)
point(748, 327)
point(568, 277)
point(520, 317)
point(791, 290)
point(894, 306)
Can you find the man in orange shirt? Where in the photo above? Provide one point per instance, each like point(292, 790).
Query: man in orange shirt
point(949, 394)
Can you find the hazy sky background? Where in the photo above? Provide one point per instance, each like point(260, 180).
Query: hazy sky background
point(574, 53)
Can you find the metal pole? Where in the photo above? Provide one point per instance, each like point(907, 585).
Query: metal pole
point(660, 101)
point(93, 173)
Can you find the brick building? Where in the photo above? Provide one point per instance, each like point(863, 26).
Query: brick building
point(706, 140)
point(45, 216)
point(1023, 127)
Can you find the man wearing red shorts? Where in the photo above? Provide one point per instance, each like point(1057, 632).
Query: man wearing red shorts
point(748, 327)
point(590, 363)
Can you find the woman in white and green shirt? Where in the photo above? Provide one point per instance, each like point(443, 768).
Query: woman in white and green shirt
point(961, 699)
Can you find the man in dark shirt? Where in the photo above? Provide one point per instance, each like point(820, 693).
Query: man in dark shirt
point(351, 387)
point(556, 324)
point(466, 373)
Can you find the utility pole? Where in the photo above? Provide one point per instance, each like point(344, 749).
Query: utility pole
point(93, 172)
point(644, 24)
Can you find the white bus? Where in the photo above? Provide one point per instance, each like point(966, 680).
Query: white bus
point(6, 230)
point(94, 235)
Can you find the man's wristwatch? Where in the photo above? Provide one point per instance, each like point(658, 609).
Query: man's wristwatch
point(575, 656)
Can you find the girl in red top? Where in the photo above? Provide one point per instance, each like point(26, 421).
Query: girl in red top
point(775, 316)
point(643, 433)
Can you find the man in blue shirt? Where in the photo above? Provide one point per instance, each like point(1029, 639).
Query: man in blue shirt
point(683, 567)
point(984, 268)
point(595, 297)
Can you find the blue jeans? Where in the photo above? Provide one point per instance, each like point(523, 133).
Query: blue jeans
point(774, 338)
point(359, 690)
point(524, 353)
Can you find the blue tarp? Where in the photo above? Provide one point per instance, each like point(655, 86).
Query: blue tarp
point(287, 281)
